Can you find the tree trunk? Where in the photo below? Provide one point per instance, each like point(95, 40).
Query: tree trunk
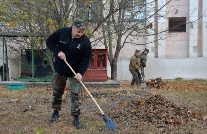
point(114, 70)
point(156, 29)
point(115, 59)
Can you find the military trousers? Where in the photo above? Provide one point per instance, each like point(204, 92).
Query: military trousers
point(142, 72)
point(58, 86)
point(135, 77)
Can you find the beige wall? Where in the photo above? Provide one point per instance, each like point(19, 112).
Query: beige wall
point(177, 43)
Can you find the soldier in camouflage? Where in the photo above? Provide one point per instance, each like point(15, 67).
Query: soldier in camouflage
point(134, 67)
point(71, 44)
point(143, 61)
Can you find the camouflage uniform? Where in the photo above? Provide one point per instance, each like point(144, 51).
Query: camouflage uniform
point(59, 83)
point(69, 44)
point(143, 61)
point(78, 52)
point(134, 67)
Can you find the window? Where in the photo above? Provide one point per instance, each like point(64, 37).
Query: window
point(177, 24)
point(127, 5)
point(135, 11)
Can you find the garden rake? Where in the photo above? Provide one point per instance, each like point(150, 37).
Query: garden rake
point(109, 123)
point(143, 84)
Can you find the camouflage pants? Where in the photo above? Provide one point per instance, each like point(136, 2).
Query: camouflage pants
point(142, 72)
point(59, 83)
point(136, 77)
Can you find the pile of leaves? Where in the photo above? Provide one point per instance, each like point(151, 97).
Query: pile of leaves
point(154, 109)
point(155, 83)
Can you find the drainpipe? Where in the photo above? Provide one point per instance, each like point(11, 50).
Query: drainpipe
point(32, 63)
point(3, 59)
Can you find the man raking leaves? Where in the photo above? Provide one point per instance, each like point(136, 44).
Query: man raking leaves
point(70, 45)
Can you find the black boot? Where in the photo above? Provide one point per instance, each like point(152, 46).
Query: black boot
point(76, 122)
point(54, 116)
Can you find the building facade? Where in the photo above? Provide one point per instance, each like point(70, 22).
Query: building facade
point(175, 38)
point(179, 50)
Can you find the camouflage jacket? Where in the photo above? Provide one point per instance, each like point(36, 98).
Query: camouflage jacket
point(143, 60)
point(134, 63)
point(78, 51)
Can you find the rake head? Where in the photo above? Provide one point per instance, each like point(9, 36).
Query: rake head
point(144, 85)
point(109, 123)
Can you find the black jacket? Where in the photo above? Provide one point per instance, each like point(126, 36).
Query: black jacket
point(78, 51)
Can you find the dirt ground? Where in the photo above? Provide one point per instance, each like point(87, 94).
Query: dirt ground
point(176, 107)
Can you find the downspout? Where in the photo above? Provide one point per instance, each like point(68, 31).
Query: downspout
point(3, 59)
point(32, 63)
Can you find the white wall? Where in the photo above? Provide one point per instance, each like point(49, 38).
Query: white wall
point(167, 68)
point(204, 28)
point(193, 27)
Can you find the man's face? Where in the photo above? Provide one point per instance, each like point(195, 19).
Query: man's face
point(138, 54)
point(146, 52)
point(77, 33)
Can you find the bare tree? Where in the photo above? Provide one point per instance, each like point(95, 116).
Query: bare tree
point(156, 29)
point(36, 20)
point(113, 23)
point(122, 22)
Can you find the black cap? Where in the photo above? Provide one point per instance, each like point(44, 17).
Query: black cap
point(146, 50)
point(80, 24)
point(137, 51)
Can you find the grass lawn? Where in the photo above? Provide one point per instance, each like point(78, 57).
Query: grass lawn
point(28, 111)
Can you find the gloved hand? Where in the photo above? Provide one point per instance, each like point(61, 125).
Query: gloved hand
point(137, 71)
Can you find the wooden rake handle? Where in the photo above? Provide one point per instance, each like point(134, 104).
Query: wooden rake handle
point(85, 88)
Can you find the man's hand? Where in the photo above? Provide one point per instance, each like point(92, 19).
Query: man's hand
point(137, 71)
point(78, 76)
point(61, 55)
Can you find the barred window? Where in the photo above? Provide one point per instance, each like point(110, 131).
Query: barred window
point(177, 24)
